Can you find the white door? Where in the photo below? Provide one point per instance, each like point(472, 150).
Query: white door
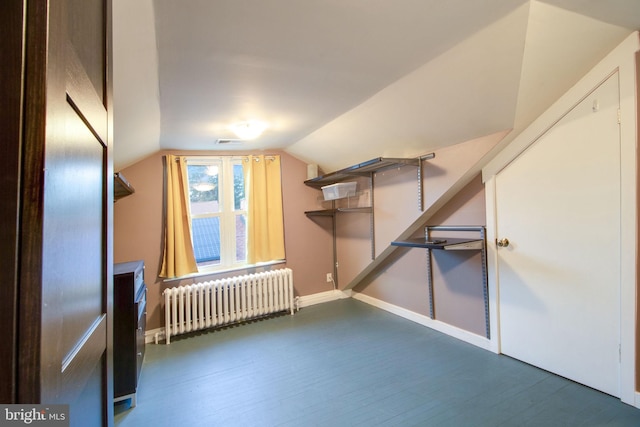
point(558, 204)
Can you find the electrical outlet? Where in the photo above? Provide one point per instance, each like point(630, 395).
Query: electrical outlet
point(329, 277)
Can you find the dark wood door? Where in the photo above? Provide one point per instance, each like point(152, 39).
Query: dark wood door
point(11, 114)
point(65, 283)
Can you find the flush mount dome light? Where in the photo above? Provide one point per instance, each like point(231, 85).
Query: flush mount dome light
point(212, 170)
point(248, 130)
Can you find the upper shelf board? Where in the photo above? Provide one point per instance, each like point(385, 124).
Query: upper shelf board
point(364, 168)
point(121, 187)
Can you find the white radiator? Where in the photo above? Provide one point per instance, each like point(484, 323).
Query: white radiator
point(223, 301)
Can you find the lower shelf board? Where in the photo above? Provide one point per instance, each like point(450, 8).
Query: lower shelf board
point(332, 212)
point(456, 244)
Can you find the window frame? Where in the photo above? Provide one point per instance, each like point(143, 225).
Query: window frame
point(227, 213)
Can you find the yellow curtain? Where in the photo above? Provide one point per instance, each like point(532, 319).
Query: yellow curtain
point(178, 258)
point(265, 225)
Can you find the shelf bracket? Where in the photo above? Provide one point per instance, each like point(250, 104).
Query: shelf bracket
point(485, 282)
point(372, 225)
point(420, 184)
point(432, 311)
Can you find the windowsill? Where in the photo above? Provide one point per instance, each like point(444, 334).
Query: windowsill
point(213, 272)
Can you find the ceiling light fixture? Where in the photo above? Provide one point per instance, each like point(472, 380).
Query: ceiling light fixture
point(248, 130)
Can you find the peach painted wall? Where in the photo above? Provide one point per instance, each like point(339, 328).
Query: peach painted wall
point(138, 230)
point(458, 286)
point(457, 275)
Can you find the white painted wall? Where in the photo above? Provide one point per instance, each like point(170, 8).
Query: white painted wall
point(136, 98)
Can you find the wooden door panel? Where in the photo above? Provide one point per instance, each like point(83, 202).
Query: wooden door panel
point(74, 254)
point(89, 405)
point(82, 172)
point(87, 35)
point(86, 102)
point(11, 122)
point(63, 298)
point(79, 365)
point(73, 228)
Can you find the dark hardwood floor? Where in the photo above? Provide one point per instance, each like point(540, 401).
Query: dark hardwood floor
point(345, 363)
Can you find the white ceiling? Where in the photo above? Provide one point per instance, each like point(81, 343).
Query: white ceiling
point(342, 81)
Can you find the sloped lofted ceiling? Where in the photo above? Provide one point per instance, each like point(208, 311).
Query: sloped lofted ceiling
point(342, 81)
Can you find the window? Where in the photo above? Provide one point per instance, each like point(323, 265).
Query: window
point(218, 211)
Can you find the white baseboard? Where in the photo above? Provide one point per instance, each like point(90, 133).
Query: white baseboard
point(461, 334)
point(157, 335)
point(151, 335)
point(319, 298)
point(637, 402)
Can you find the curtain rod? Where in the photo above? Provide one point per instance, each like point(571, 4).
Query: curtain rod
point(245, 158)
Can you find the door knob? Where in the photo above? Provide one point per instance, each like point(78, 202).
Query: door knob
point(503, 243)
